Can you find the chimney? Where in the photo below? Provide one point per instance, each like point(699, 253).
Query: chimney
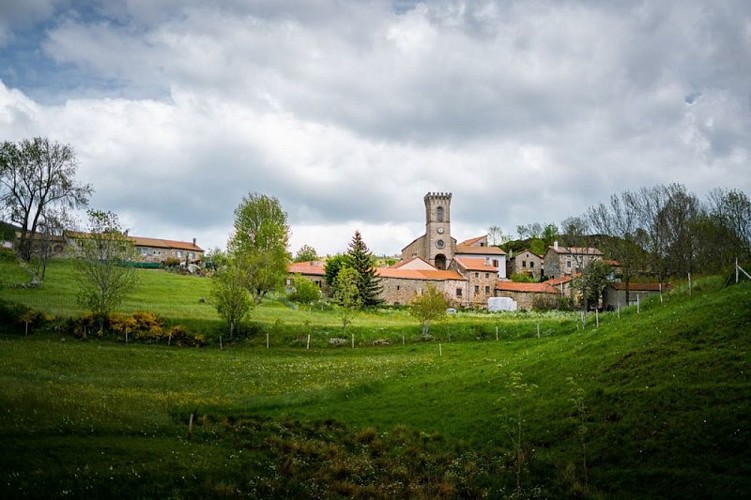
point(194, 242)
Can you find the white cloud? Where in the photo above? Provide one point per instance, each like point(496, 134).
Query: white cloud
point(349, 114)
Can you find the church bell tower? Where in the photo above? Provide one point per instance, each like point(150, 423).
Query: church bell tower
point(439, 247)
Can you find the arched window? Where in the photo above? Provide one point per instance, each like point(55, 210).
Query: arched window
point(439, 214)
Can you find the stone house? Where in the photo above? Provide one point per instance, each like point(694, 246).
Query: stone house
point(526, 294)
point(481, 277)
point(478, 248)
point(560, 261)
point(525, 262)
point(402, 281)
point(311, 270)
point(160, 250)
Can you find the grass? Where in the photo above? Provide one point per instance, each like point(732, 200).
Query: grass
point(666, 404)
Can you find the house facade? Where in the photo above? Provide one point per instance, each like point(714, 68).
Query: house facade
point(478, 248)
point(481, 278)
point(314, 271)
point(526, 295)
point(160, 250)
point(406, 279)
point(566, 261)
point(525, 262)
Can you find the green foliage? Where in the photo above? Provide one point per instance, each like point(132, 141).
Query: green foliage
point(36, 177)
point(332, 267)
point(229, 294)
point(592, 282)
point(304, 291)
point(306, 253)
point(347, 295)
point(101, 254)
point(259, 243)
point(361, 260)
point(523, 278)
point(429, 306)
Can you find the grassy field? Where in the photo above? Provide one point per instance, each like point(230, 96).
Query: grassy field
point(663, 409)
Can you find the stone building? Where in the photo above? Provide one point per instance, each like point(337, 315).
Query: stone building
point(560, 260)
point(314, 271)
point(526, 294)
point(525, 262)
point(436, 246)
point(405, 279)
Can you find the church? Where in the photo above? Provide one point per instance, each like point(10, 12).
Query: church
point(466, 272)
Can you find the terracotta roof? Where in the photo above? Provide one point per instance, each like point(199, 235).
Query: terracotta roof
point(315, 267)
point(575, 250)
point(419, 274)
point(413, 263)
point(466, 249)
point(511, 286)
point(561, 279)
point(475, 264)
point(472, 241)
point(140, 241)
point(640, 287)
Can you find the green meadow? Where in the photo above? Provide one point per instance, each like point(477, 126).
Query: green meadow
point(651, 404)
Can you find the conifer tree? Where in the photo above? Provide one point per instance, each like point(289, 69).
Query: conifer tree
point(361, 260)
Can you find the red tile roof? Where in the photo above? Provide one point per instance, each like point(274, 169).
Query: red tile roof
point(511, 286)
point(467, 249)
point(419, 274)
point(473, 241)
point(561, 279)
point(475, 264)
point(412, 263)
point(314, 267)
point(141, 241)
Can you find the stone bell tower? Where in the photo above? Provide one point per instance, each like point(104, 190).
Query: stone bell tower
point(439, 246)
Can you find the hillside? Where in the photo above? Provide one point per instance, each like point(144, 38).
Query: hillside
point(664, 407)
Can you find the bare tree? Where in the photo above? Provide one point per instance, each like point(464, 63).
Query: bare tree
point(37, 175)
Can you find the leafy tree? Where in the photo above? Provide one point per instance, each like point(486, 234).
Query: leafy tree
point(347, 294)
point(259, 243)
point(229, 295)
point(429, 306)
point(362, 261)
point(593, 281)
point(35, 176)
point(618, 220)
point(303, 290)
point(306, 253)
point(332, 267)
point(103, 253)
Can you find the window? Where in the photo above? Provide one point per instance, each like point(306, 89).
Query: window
point(477, 289)
point(531, 265)
point(439, 214)
point(495, 263)
point(179, 253)
point(524, 263)
point(477, 275)
point(487, 290)
point(568, 264)
point(397, 287)
point(458, 292)
point(487, 275)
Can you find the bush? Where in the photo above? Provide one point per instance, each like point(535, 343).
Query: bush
point(21, 317)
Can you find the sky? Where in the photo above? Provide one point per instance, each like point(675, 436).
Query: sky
point(349, 112)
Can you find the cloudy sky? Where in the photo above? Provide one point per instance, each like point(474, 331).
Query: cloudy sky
point(350, 111)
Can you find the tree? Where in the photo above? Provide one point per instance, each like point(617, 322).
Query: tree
point(37, 175)
point(497, 237)
point(362, 261)
point(306, 253)
point(347, 294)
point(259, 243)
point(229, 295)
point(332, 267)
point(303, 290)
point(618, 221)
point(593, 281)
point(103, 253)
point(429, 306)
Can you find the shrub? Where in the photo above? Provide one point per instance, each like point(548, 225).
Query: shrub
point(20, 316)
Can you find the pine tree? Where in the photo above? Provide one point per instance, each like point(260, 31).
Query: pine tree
point(361, 260)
